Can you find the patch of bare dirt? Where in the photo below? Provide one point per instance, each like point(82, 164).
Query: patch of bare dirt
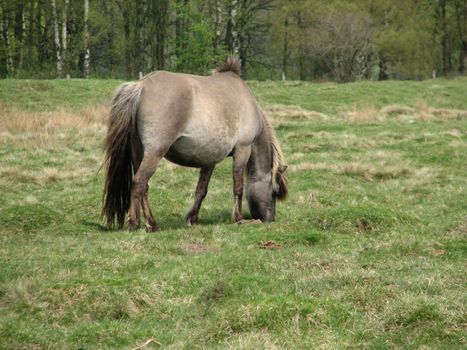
point(269, 245)
point(196, 248)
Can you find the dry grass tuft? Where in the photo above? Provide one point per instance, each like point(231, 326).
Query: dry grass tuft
point(13, 120)
point(391, 110)
point(458, 144)
point(43, 177)
point(294, 112)
point(44, 129)
point(310, 198)
point(364, 114)
point(18, 175)
point(421, 111)
point(376, 171)
point(454, 133)
point(30, 200)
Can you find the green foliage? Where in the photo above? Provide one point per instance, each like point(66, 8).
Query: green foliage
point(198, 55)
point(306, 40)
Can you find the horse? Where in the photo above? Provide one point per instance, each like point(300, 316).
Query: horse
point(192, 121)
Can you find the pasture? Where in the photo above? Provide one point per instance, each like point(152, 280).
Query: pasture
point(369, 251)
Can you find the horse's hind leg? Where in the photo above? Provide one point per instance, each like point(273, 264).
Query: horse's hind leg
point(140, 189)
point(151, 225)
point(191, 217)
point(137, 157)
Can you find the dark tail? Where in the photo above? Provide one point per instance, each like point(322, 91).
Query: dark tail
point(117, 162)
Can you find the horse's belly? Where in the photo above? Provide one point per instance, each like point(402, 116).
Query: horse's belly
point(196, 153)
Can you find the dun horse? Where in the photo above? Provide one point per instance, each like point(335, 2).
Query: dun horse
point(192, 121)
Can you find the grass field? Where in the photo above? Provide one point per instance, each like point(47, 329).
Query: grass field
point(369, 251)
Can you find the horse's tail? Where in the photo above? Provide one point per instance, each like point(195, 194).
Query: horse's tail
point(117, 161)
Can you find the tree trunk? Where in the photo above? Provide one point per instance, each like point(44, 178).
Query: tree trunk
point(301, 55)
point(161, 29)
point(180, 31)
point(20, 34)
point(87, 53)
point(32, 38)
point(445, 53)
point(58, 46)
point(41, 33)
point(285, 49)
point(6, 38)
point(108, 10)
point(235, 43)
point(217, 24)
point(64, 34)
point(138, 37)
point(231, 35)
point(461, 17)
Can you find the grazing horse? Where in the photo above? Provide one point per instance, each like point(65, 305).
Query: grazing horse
point(193, 121)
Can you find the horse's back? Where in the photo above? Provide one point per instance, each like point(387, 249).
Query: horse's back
point(199, 119)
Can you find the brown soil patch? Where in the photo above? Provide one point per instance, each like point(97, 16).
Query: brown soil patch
point(196, 248)
point(269, 245)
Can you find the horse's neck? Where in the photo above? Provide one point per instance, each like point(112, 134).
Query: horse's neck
point(260, 162)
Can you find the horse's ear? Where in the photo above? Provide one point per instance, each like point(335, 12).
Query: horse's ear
point(282, 169)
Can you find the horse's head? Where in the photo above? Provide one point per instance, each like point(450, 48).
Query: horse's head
point(266, 179)
point(263, 192)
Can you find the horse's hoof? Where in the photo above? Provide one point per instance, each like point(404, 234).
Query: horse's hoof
point(132, 226)
point(191, 220)
point(152, 228)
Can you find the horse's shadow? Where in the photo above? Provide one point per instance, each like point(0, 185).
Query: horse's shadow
point(95, 225)
point(174, 222)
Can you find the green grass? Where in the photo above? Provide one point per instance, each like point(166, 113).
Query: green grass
point(372, 239)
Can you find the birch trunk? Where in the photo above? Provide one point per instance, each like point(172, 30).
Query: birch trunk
point(231, 31)
point(58, 46)
point(10, 67)
point(22, 35)
point(64, 34)
point(87, 53)
point(285, 49)
point(217, 23)
point(233, 18)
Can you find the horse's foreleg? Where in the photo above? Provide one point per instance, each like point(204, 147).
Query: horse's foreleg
point(191, 217)
point(139, 191)
point(240, 159)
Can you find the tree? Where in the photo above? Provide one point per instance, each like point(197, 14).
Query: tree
point(461, 24)
point(87, 53)
point(445, 52)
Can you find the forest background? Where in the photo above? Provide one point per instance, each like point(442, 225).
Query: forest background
point(275, 39)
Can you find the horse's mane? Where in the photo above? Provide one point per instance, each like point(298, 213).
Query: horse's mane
point(279, 180)
point(231, 64)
